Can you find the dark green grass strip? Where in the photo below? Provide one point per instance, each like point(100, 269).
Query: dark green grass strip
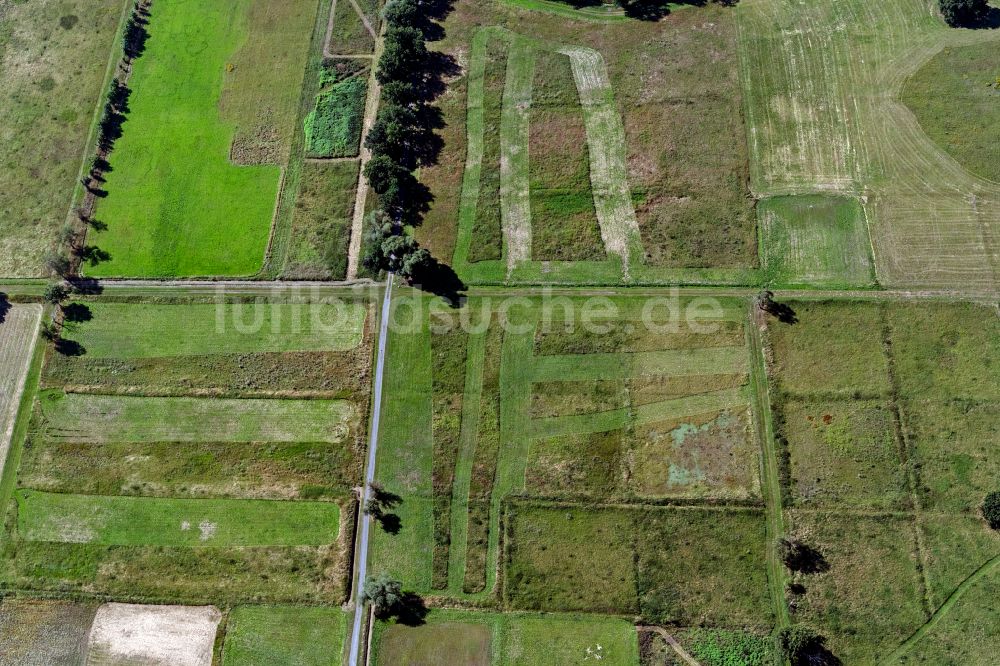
point(487, 232)
point(333, 128)
point(449, 359)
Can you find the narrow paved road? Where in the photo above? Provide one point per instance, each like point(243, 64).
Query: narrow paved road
point(362, 552)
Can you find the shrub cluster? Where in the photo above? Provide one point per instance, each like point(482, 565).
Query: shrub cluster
point(963, 13)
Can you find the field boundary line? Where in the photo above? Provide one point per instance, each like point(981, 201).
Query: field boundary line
point(608, 168)
point(364, 18)
point(361, 194)
point(770, 477)
point(462, 484)
point(973, 578)
point(515, 190)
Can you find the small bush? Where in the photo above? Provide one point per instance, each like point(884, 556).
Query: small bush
point(333, 128)
point(991, 510)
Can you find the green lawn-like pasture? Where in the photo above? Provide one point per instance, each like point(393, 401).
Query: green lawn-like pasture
point(121, 330)
point(149, 521)
point(261, 635)
point(53, 60)
point(815, 240)
point(664, 564)
point(176, 204)
point(477, 638)
point(956, 98)
point(104, 418)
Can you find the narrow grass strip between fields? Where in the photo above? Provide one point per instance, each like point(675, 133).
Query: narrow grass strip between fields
point(770, 476)
point(104, 418)
point(515, 403)
point(466, 457)
point(474, 151)
point(608, 152)
point(665, 410)
point(515, 197)
point(157, 521)
point(675, 362)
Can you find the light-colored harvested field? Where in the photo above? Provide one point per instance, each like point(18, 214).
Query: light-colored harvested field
point(127, 635)
point(53, 58)
point(18, 333)
point(608, 170)
point(101, 418)
point(43, 633)
point(823, 80)
point(120, 330)
point(515, 198)
point(155, 521)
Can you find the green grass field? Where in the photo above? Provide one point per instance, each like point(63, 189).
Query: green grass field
point(815, 240)
point(261, 635)
point(176, 204)
point(147, 521)
point(123, 330)
point(956, 98)
point(101, 418)
point(53, 59)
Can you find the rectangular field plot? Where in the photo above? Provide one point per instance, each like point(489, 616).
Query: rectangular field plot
point(55, 57)
point(44, 632)
point(122, 330)
point(475, 638)
point(664, 564)
point(815, 240)
point(99, 418)
point(196, 174)
point(588, 157)
point(844, 453)
point(284, 635)
point(533, 401)
point(833, 348)
point(866, 598)
point(138, 634)
point(149, 521)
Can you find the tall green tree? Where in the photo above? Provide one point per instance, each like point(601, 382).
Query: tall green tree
point(404, 56)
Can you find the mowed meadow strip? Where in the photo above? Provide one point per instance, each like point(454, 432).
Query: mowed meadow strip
point(154, 521)
point(122, 330)
point(101, 418)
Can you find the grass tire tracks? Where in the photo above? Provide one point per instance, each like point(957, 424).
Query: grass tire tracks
point(953, 598)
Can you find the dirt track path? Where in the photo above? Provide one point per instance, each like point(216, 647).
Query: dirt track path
point(948, 604)
point(672, 642)
point(358, 220)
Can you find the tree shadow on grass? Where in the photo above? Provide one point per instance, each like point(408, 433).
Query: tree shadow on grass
point(411, 611)
point(69, 347)
point(5, 306)
point(77, 312)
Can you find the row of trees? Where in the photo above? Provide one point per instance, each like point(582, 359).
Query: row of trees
point(402, 140)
